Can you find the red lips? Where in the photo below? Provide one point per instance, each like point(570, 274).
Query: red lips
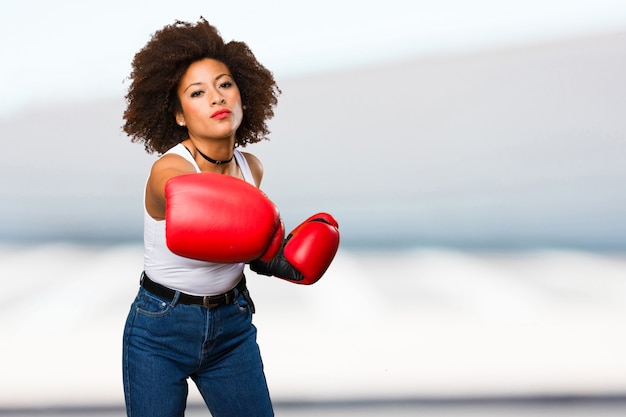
point(221, 114)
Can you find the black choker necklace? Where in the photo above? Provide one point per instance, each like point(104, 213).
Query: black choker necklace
point(215, 161)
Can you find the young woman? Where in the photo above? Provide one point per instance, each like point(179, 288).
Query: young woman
point(195, 100)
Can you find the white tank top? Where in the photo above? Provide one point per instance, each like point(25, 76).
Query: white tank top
point(183, 274)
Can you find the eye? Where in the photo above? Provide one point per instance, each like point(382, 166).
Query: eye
point(226, 84)
point(196, 93)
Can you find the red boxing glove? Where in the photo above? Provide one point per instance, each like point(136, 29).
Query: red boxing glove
point(307, 252)
point(218, 218)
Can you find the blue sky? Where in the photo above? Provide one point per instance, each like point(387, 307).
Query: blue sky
point(74, 50)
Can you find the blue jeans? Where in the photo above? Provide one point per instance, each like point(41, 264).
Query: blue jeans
point(166, 342)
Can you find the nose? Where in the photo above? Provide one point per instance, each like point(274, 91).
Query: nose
point(218, 100)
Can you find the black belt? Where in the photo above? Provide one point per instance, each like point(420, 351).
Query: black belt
point(208, 301)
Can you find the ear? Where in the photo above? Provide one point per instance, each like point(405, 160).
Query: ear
point(180, 119)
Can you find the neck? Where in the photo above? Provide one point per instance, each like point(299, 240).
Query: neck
point(215, 161)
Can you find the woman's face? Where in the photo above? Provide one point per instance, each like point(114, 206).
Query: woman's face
point(210, 100)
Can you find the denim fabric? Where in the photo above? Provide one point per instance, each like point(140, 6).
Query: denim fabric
point(165, 343)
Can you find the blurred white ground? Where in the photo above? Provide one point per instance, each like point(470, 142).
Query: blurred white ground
point(398, 324)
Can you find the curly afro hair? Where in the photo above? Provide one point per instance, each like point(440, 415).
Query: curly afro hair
point(158, 68)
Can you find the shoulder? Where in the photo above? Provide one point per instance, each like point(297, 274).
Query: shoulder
point(174, 162)
point(256, 167)
point(163, 169)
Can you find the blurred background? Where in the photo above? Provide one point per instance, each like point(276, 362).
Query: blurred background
point(472, 153)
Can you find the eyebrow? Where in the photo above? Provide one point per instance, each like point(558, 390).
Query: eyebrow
point(200, 82)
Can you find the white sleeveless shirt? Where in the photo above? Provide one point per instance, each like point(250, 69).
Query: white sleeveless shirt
point(183, 274)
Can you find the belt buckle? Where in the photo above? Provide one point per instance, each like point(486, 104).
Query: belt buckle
point(206, 302)
point(226, 298)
